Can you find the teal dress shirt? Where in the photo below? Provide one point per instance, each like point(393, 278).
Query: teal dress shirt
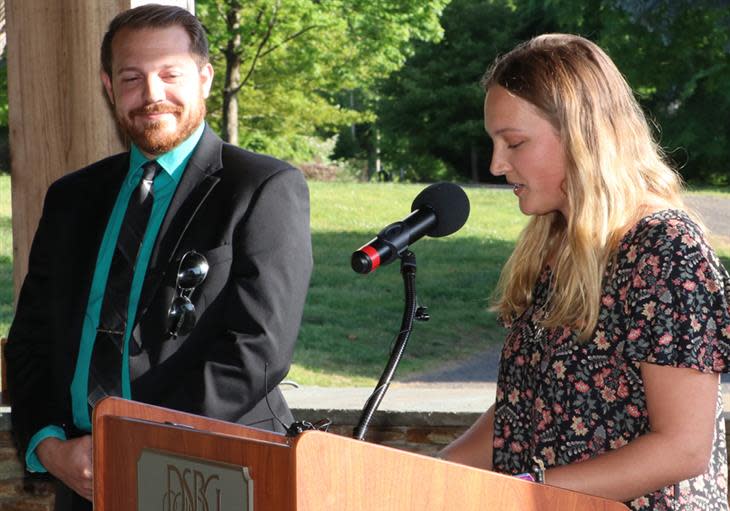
point(173, 163)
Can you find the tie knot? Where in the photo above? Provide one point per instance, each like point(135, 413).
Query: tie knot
point(150, 170)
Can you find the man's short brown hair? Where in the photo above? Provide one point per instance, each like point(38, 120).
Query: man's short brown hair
point(156, 16)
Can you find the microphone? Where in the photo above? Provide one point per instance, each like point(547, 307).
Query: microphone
point(439, 210)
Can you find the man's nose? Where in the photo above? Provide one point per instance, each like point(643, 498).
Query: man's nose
point(154, 89)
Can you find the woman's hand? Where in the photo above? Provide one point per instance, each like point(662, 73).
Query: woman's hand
point(474, 447)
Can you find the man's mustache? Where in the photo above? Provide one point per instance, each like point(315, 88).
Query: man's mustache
point(156, 108)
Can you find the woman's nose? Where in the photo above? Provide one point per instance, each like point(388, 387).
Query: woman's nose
point(498, 165)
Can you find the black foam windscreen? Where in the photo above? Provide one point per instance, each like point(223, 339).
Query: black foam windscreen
point(450, 205)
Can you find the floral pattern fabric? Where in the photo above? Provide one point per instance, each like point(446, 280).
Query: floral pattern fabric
point(665, 300)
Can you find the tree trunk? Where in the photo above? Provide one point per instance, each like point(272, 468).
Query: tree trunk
point(474, 163)
point(233, 74)
point(353, 131)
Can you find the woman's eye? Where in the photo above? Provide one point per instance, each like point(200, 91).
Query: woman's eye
point(515, 145)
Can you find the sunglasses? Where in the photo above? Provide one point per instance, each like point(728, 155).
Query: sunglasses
point(191, 273)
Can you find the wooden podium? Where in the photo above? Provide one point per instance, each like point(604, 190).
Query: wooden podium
point(314, 471)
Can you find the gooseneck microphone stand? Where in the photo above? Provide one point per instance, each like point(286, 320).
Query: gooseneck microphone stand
point(408, 271)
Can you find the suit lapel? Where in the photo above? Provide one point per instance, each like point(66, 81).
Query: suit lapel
point(195, 186)
point(94, 206)
point(100, 197)
point(98, 200)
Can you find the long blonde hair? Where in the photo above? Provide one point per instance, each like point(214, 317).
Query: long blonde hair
point(616, 173)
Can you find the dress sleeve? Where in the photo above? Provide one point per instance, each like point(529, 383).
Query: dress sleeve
point(678, 300)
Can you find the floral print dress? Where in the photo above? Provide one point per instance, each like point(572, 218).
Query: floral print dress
point(665, 300)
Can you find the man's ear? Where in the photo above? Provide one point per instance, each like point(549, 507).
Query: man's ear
point(107, 81)
point(206, 78)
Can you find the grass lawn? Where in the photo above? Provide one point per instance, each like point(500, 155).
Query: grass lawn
point(6, 257)
point(351, 320)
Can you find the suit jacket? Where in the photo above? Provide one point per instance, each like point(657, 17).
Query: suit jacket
point(248, 214)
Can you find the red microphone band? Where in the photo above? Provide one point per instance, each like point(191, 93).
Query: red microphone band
point(373, 255)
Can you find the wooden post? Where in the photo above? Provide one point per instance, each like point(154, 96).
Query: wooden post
point(59, 118)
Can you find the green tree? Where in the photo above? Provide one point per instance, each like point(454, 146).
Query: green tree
point(283, 62)
point(431, 109)
point(674, 53)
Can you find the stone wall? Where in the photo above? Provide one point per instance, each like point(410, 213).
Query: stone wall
point(420, 432)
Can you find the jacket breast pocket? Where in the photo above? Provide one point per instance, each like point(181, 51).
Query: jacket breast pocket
point(219, 272)
point(218, 254)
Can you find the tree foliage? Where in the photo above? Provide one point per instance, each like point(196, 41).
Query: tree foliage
point(674, 53)
point(431, 108)
point(295, 56)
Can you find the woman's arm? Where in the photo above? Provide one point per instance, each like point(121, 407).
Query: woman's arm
point(681, 404)
point(474, 447)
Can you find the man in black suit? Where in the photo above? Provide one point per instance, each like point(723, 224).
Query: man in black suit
point(203, 258)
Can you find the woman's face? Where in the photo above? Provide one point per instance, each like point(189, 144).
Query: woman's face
point(527, 151)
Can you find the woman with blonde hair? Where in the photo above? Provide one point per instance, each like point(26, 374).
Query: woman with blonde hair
point(617, 308)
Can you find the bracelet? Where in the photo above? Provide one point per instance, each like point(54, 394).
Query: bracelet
point(526, 476)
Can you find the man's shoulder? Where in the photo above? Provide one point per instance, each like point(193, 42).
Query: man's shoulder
point(238, 168)
point(95, 171)
point(242, 162)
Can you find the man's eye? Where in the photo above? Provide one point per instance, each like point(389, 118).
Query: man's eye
point(127, 79)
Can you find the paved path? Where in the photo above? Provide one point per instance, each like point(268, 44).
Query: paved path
point(715, 212)
point(431, 398)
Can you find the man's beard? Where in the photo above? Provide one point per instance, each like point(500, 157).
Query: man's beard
point(152, 138)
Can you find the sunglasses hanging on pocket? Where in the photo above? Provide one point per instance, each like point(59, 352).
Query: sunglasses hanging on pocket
point(191, 273)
